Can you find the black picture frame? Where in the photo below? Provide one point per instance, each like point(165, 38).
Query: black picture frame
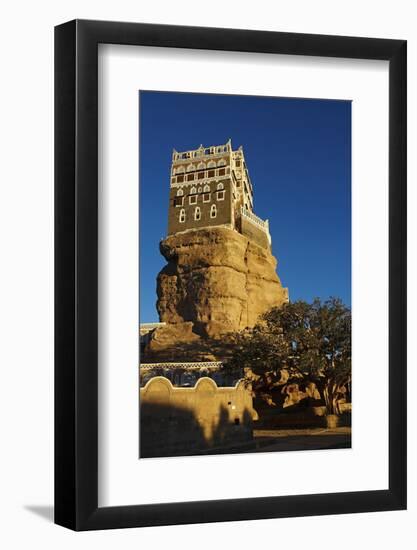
point(76, 272)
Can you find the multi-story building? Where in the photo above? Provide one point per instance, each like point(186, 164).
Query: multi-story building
point(210, 186)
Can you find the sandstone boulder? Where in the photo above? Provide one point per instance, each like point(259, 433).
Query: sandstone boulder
point(217, 280)
point(177, 342)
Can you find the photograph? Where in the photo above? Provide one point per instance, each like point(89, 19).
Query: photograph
point(244, 274)
point(209, 231)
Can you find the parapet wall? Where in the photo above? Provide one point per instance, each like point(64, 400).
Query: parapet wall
point(179, 421)
point(256, 234)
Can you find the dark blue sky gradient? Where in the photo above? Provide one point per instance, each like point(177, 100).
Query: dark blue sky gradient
point(298, 152)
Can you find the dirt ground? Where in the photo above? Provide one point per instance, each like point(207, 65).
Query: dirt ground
point(273, 440)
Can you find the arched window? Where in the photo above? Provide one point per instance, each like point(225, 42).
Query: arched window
point(197, 213)
point(207, 189)
point(190, 167)
point(213, 211)
point(211, 164)
point(201, 166)
point(193, 190)
point(179, 199)
point(180, 170)
point(182, 215)
point(221, 162)
point(220, 186)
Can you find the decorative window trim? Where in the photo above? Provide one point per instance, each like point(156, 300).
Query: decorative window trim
point(206, 189)
point(213, 211)
point(197, 214)
point(211, 164)
point(193, 190)
point(201, 166)
point(182, 215)
point(221, 162)
point(192, 199)
point(221, 195)
point(190, 168)
point(180, 192)
point(220, 186)
point(206, 197)
point(178, 201)
point(180, 170)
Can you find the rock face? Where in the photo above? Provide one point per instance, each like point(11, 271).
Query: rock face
point(177, 342)
point(216, 279)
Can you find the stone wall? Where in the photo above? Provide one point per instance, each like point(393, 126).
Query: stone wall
point(184, 421)
point(256, 234)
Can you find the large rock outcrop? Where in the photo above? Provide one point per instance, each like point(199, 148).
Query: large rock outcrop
point(218, 280)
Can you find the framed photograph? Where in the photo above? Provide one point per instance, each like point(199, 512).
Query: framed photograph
point(230, 253)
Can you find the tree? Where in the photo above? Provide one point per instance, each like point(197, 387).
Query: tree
point(299, 342)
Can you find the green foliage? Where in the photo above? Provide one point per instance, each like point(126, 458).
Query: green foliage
point(298, 342)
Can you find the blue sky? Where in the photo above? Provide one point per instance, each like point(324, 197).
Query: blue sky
point(298, 152)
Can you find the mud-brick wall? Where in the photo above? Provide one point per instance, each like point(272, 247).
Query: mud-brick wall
point(178, 421)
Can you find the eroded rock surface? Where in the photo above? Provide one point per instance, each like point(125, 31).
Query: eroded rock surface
point(217, 280)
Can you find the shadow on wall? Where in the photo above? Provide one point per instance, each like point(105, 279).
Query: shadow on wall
point(186, 421)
